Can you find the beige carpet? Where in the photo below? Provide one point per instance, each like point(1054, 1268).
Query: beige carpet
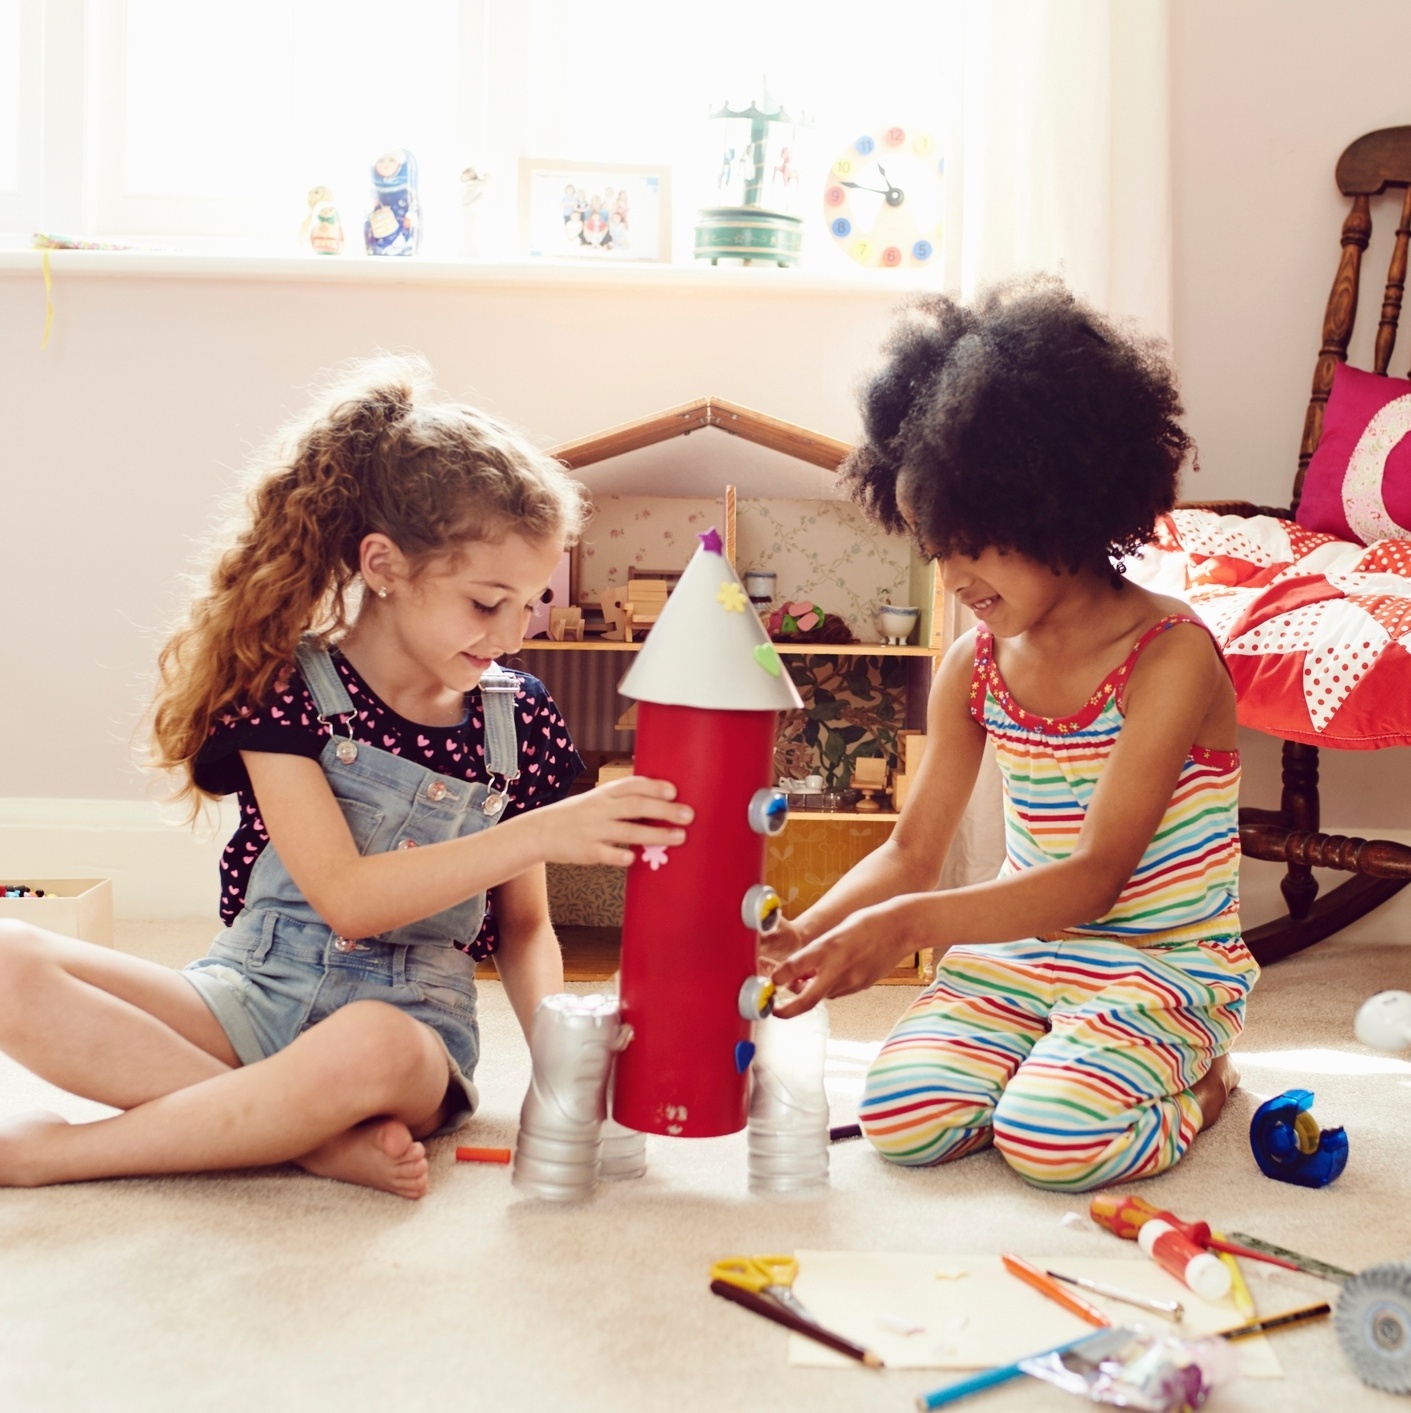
point(280, 1291)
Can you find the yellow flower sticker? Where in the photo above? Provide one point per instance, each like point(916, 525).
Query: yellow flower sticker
point(732, 597)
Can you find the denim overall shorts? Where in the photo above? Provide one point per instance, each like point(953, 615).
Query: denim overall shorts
point(279, 968)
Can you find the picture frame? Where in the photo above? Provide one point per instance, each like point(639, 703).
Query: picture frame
point(604, 212)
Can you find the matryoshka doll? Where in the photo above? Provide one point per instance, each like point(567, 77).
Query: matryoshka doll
point(393, 226)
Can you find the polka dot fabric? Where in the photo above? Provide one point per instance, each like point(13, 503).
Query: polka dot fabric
point(288, 724)
point(1316, 629)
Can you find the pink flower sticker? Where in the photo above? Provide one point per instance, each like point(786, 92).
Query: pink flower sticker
point(654, 855)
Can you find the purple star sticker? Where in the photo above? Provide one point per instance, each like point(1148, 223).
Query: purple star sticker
point(711, 541)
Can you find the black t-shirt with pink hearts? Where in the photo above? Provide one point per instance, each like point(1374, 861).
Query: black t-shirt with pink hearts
point(288, 724)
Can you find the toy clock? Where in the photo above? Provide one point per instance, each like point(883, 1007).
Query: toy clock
point(882, 200)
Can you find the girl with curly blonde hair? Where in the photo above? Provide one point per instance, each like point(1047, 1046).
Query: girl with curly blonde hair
point(339, 675)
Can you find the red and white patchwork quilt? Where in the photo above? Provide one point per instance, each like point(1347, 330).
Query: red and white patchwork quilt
point(1316, 630)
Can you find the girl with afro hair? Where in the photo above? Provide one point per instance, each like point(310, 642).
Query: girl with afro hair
point(1086, 999)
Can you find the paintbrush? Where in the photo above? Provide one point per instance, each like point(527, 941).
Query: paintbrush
point(772, 1310)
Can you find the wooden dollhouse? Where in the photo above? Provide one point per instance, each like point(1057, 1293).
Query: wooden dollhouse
point(769, 486)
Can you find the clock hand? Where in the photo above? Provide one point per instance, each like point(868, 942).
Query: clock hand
point(894, 194)
point(858, 186)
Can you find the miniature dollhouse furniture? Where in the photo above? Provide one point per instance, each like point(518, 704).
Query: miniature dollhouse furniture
point(1312, 604)
point(768, 486)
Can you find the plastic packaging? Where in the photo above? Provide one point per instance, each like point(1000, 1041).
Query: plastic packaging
point(788, 1127)
point(1177, 1254)
point(1143, 1371)
point(559, 1151)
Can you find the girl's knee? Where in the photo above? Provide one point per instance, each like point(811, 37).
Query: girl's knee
point(389, 1051)
point(25, 952)
point(920, 1120)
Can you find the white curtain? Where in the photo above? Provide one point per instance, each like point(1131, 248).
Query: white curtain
point(1060, 153)
point(1060, 161)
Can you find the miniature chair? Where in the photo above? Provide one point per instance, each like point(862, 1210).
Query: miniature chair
point(1287, 596)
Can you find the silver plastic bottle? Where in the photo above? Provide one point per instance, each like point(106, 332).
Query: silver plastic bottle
point(788, 1127)
point(572, 1044)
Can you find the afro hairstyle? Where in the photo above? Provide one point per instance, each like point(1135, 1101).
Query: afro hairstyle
point(1024, 421)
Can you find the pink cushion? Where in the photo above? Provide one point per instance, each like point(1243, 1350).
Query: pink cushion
point(1358, 484)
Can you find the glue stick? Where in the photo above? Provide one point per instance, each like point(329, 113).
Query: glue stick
point(1174, 1252)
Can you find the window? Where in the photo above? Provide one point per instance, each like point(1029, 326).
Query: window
point(19, 118)
point(210, 122)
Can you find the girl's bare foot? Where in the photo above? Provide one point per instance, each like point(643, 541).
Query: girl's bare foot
point(1214, 1087)
point(22, 1145)
point(380, 1153)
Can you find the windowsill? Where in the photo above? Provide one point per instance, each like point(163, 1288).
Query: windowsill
point(414, 270)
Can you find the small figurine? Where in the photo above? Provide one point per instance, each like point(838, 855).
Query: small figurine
point(322, 230)
point(326, 233)
point(393, 226)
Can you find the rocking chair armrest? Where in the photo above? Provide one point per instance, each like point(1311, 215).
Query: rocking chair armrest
point(1242, 508)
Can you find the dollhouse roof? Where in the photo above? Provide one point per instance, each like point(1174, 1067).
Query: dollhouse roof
point(708, 648)
point(745, 422)
point(764, 456)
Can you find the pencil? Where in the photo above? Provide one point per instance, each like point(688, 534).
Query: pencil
point(1074, 1304)
point(762, 1305)
point(483, 1155)
point(1277, 1322)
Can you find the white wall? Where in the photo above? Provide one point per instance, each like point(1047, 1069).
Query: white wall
point(1265, 95)
point(124, 432)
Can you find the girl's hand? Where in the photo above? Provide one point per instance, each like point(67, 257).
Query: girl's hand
point(598, 827)
point(856, 954)
point(775, 947)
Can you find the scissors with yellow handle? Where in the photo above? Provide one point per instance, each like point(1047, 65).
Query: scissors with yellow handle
point(765, 1275)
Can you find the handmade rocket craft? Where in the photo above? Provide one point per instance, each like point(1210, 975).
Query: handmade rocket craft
point(710, 687)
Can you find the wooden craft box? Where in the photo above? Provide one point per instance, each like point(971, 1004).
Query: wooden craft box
point(75, 907)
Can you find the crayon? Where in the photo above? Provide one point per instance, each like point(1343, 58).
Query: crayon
point(483, 1155)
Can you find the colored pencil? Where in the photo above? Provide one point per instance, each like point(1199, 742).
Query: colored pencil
point(1277, 1322)
point(771, 1310)
point(978, 1383)
point(483, 1155)
point(1074, 1304)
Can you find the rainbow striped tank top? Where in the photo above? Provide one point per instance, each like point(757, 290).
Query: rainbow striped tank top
point(1186, 886)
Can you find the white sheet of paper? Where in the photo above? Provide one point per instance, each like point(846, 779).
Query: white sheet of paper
point(986, 1317)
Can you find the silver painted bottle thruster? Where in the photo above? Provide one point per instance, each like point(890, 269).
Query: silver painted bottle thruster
point(573, 1042)
point(788, 1127)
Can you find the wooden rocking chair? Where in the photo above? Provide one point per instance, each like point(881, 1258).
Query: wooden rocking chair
point(1372, 165)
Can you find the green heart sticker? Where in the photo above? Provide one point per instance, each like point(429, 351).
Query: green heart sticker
point(767, 658)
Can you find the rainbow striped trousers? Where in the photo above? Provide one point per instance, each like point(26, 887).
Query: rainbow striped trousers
point(1075, 1058)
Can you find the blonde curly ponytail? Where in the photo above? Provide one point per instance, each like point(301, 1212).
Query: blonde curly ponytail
point(379, 456)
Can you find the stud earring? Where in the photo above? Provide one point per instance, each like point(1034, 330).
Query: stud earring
point(382, 592)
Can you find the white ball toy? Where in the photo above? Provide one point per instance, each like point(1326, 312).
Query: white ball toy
point(1384, 1022)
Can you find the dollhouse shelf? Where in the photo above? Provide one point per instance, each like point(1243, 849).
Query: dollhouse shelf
point(548, 645)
